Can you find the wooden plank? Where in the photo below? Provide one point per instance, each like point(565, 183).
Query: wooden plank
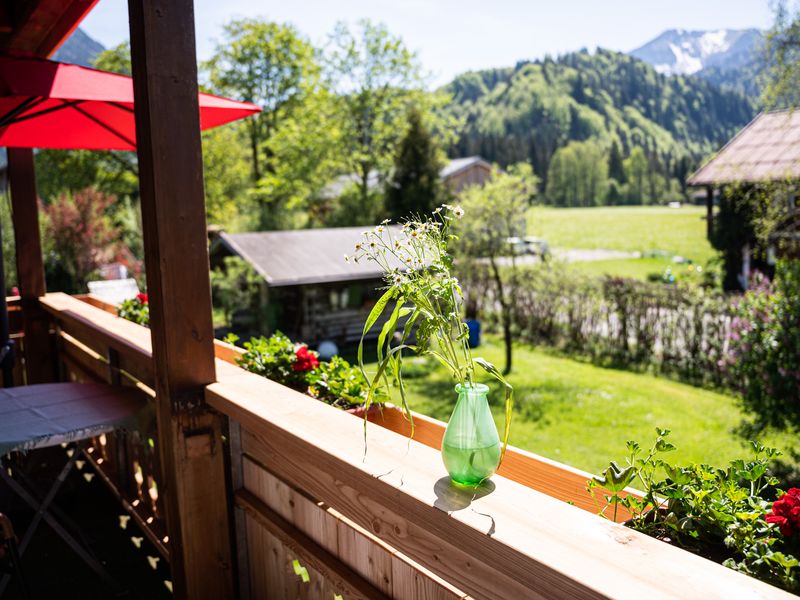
point(101, 331)
point(411, 583)
point(164, 65)
point(83, 358)
point(41, 27)
point(531, 470)
point(40, 365)
point(97, 302)
point(507, 541)
point(310, 553)
point(366, 554)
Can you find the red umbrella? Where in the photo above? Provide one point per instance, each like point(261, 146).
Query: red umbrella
point(47, 104)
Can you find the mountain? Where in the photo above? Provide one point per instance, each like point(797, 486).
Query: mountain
point(527, 112)
point(729, 58)
point(79, 49)
point(681, 52)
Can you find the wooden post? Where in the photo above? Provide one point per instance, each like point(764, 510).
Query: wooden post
point(39, 355)
point(709, 211)
point(176, 261)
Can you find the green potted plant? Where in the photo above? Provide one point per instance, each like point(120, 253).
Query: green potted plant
point(422, 312)
point(736, 516)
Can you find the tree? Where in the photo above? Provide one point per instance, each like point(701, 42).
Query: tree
point(415, 187)
point(294, 141)
point(307, 156)
point(578, 175)
point(782, 57)
point(235, 286)
point(226, 171)
point(267, 64)
point(616, 169)
point(493, 213)
point(80, 238)
point(636, 173)
point(375, 78)
point(115, 60)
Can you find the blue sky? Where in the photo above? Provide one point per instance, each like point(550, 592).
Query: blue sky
point(455, 36)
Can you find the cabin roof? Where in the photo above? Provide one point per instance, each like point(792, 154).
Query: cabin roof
point(766, 150)
point(453, 167)
point(303, 256)
point(457, 165)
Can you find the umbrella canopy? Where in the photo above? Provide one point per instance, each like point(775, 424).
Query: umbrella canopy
point(47, 104)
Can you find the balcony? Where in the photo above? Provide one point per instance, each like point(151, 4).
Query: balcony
point(384, 523)
point(251, 490)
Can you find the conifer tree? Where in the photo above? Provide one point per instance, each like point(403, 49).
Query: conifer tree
point(616, 169)
point(414, 187)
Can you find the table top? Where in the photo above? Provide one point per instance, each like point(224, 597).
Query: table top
point(37, 416)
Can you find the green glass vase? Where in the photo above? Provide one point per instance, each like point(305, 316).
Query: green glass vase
point(471, 446)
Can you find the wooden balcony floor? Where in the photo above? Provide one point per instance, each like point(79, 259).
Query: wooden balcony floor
point(51, 569)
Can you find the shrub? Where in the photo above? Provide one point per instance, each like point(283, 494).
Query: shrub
point(764, 349)
point(276, 358)
point(135, 309)
point(335, 382)
point(338, 383)
point(723, 514)
point(677, 329)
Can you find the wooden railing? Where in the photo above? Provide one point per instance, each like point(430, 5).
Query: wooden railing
point(381, 520)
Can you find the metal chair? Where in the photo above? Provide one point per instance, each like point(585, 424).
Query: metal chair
point(9, 551)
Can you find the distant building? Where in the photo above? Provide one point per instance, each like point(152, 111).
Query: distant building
point(309, 292)
point(457, 174)
point(766, 151)
point(464, 172)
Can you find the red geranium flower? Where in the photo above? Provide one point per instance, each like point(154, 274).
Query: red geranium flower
point(142, 298)
point(786, 512)
point(305, 360)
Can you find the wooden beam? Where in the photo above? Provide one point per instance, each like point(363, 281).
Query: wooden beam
point(308, 551)
point(39, 352)
point(40, 27)
point(176, 260)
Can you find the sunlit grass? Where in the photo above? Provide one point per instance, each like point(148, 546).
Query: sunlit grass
point(679, 231)
point(582, 415)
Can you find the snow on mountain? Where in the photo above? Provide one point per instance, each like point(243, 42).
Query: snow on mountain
point(678, 51)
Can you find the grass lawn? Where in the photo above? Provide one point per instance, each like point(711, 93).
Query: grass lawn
point(582, 415)
point(631, 228)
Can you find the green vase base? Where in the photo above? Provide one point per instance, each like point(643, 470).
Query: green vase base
point(470, 467)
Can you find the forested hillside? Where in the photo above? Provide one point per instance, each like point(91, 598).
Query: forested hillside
point(526, 113)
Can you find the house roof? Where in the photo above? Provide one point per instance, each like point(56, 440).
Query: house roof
point(767, 149)
point(453, 167)
point(304, 256)
point(457, 165)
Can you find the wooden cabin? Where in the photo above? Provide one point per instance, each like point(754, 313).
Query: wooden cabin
point(309, 292)
point(765, 155)
point(457, 174)
point(460, 173)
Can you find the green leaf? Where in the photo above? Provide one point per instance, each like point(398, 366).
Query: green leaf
point(300, 571)
point(509, 400)
point(376, 312)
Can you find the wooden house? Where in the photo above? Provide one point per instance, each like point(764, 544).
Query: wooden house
point(309, 292)
point(464, 172)
point(764, 155)
point(457, 174)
